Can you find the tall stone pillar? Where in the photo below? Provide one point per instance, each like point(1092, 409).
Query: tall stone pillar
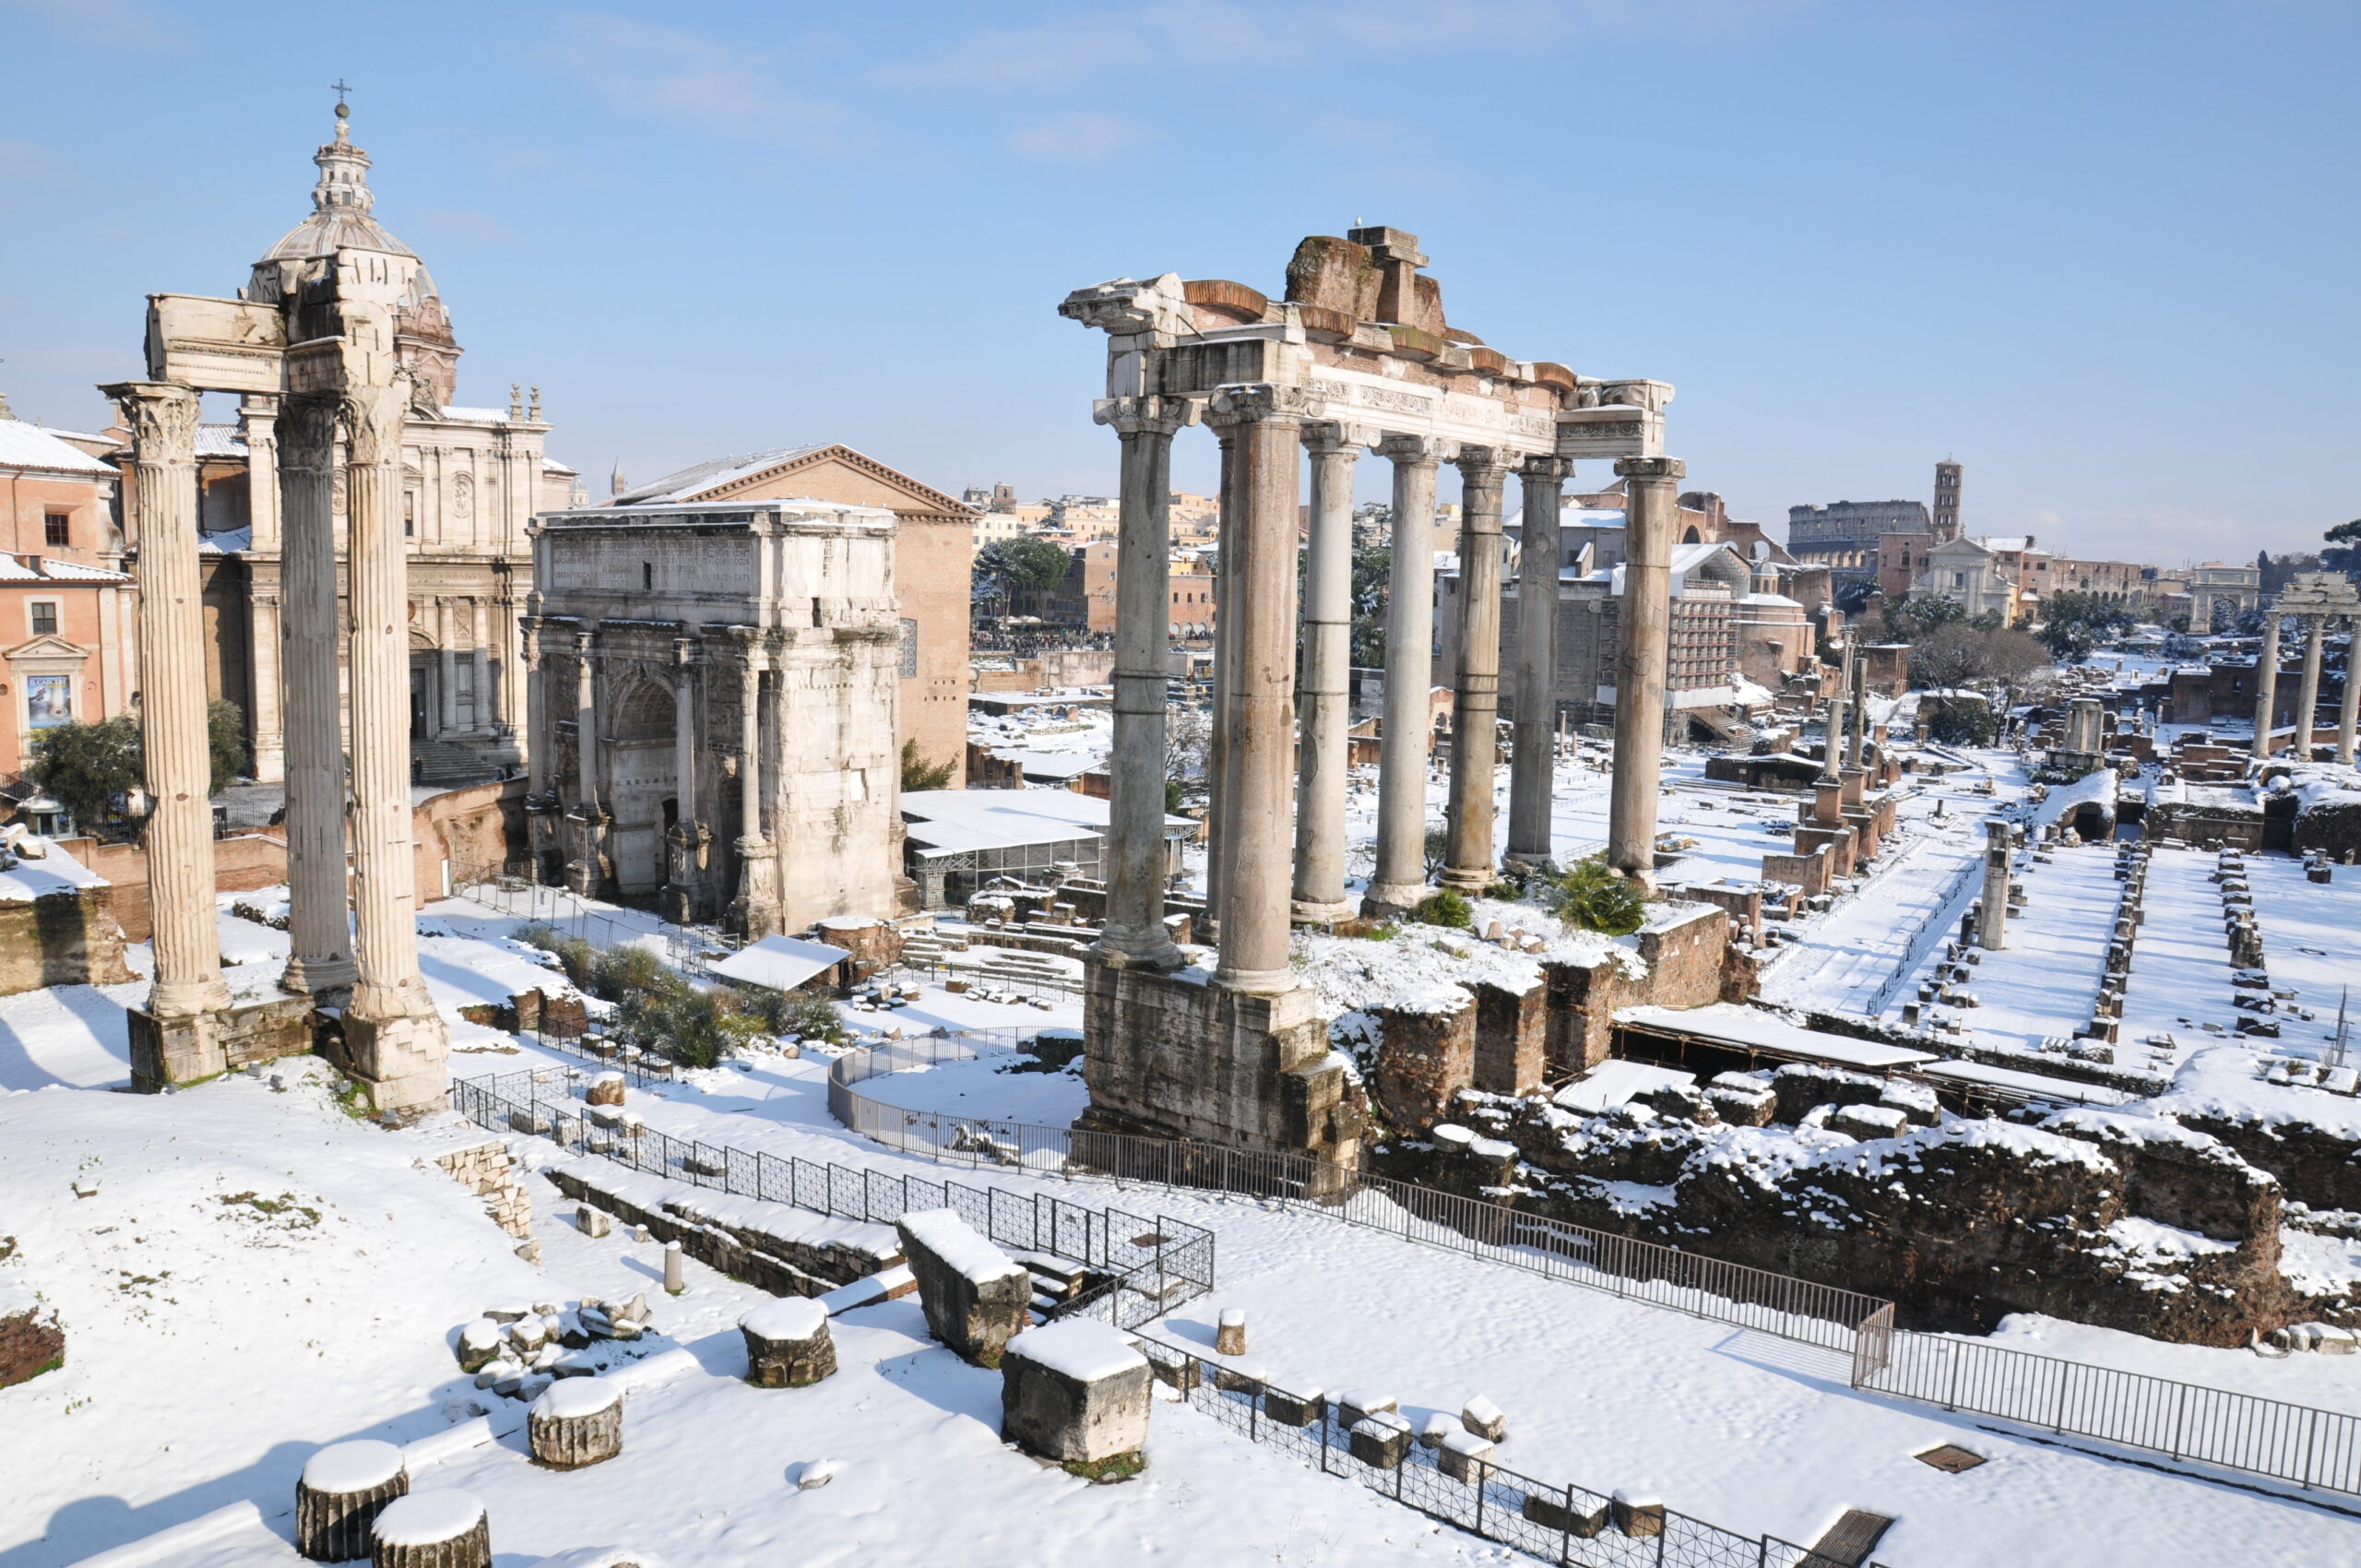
point(258, 422)
point(396, 1041)
point(2349, 711)
point(1326, 749)
point(1133, 934)
point(177, 1042)
point(1992, 916)
point(1641, 662)
point(1233, 506)
point(483, 720)
point(1857, 705)
point(684, 897)
point(2266, 685)
point(2307, 695)
point(1401, 880)
point(755, 913)
point(1259, 559)
point(447, 659)
point(1533, 772)
point(1475, 706)
point(319, 930)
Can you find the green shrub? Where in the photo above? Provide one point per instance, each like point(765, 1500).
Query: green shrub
point(1588, 895)
point(1444, 908)
point(620, 972)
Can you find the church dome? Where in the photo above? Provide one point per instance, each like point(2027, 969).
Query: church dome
point(340, 219)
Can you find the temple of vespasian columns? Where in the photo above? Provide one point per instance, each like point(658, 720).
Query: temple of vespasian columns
point(320, 334)
point(1356, 356)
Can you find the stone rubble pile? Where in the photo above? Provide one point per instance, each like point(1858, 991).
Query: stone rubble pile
point(517, 1352)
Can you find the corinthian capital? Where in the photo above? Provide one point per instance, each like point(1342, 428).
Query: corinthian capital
point(372, 422)
point(1258, 400)
point(1145, 416)
point(306, 431)
point(1666, 469)
point(1482, 465)
point(1416, 449)
point(163, 417)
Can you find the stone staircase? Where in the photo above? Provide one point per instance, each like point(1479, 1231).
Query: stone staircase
point(1056, 1281)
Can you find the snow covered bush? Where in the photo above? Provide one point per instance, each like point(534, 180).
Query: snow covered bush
point(1588, 895)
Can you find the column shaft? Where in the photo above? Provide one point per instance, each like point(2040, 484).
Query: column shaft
point(447, 662)
point(1533, 772)
point(1325, 749)
point(1233, 510)
point(397, 1038)
point(1641, 663)
point(2349, 711)
point(1259, 557)
point(319, 927)
point(1136, 866)
point(2308, 697)
point(756, 910)
point(1857, 705)
point(684, 735)
point(1401, 879)
point(2266, 684)
point(585, 722)
point(179, 835)
point(1476, 704)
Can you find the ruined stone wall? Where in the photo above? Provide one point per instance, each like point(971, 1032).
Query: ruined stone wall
point(68, 937)
point(487, 1171)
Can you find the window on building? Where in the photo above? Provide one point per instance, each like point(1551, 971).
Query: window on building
point(44, 618)
point(409, 513)
point(59, 529)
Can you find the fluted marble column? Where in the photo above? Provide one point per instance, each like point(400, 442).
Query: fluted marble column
point(397, 1039)
point(1233, 506)
point(2307, 695)
point(1640, 669)
point(1325, 749)
point(2266, 685)
point(1533, 771)
point(1856, 705)
point(258, 422)
point(1259, 559)
point(1134, 934)
point(179, 838)
point(1401, 880)
point(319, 928)
point(757, 904)
point(2348, 713)
point(1476, 701)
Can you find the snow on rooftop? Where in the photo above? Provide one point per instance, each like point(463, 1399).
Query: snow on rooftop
point(947, 821)
point(780, 963)
point(29, 447)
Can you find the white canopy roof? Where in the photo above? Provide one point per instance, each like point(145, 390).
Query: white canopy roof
point(780, 963)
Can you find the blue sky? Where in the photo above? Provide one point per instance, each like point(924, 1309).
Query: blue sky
point(2101, 252)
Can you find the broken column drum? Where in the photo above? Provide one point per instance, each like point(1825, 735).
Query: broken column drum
point(788, 1343)
point(577, 1421)
point(444, 1528)
point(1356, 355)
point(343, 1489)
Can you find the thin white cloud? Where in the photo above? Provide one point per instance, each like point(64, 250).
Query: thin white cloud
point(480, 227)
point(1079, 137)
point(688, 80)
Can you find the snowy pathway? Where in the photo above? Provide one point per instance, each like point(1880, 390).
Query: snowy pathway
point(2180, 965)
point(1845, 959)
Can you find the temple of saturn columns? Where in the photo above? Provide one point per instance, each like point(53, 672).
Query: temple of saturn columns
point(1357, 356)
point(318, 334)
point(2313, 598)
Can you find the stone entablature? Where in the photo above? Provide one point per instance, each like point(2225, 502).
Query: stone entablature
point(714, 694)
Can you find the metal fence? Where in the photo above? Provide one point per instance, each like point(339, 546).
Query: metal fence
point(1636, 1270)
point(2182, 1420)
point(569, 914)
point(1557, 1523)
point(1149, 1267)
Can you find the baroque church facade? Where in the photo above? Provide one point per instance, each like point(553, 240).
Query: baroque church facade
point(472, 480)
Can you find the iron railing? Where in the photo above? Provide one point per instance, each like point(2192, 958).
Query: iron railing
point(1160, 1262)
point(2309, 1447)
point(1562, 1523)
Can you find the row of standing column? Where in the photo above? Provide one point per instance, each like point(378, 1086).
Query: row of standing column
point(391, 1025)
point(1250, 905)
point(2307, 695)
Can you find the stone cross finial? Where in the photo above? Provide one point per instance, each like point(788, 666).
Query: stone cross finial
point(516, 401)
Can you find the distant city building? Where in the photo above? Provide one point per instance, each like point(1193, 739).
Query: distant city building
point(1842, 535)
point(1948, 476)
point(66, 609)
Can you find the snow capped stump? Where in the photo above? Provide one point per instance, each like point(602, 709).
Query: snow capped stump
point(1639, 1512)
point(1483, 1417)
point(1463, 1456)
point(1351, 1408)
point(976, 1296)
point(607, 1088)
point(1381, 1440)
point(431, 1529)
point(577, 1421)
point(478, 1345)
point(1229, 1339)
point(1293, 1409)
point(344, 1487)
point(592, 1222)
point(1076, 1392)
point(788, 1344)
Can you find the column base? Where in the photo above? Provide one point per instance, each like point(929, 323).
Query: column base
point(1160, 958)
point(1534, 859)
point(1384, 898)
point(1473, 883)
point(402, 1061)
point(1255, 982)
point(755, 913)
point(173, 1052)
point(1302, 913)
point(329, 983)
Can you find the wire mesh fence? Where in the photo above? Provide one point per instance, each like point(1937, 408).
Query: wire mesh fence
point(1144, 1266)
point(1555, 1523)
point(689, 949)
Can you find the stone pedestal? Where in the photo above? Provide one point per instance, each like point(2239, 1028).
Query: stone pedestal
point(194, 1047)
point(577, 1421)
point(1172, 1056)
point(1074, 1392)
point(976, 1296)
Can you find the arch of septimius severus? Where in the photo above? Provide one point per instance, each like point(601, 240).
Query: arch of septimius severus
point(1357, 357)
point(319, 335)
